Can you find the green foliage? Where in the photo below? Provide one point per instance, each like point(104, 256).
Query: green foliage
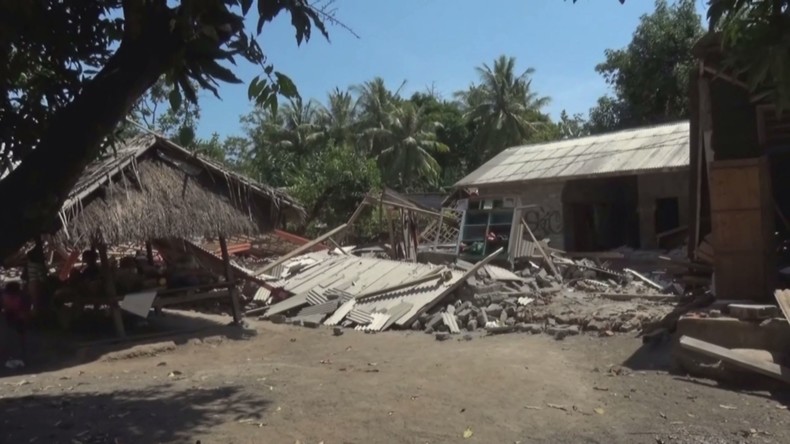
point(650, 76)
point(53, 50)
point(756, 43)
point(503, 108)
point(572, 127)
point(332, 184)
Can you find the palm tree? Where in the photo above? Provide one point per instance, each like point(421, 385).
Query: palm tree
point(376, 105)
point(376, 102)
point(299, 130)
point(407, 146)
point(502, 106)
point(338, 120)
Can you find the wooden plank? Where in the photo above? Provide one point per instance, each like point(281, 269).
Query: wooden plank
point(630, 296)
point(783, 299)
point(643, 279)
point(752, 312)
point(301, 249)
point(469, 273)
point(766, 368)
point(546, 257)
point(188, 298)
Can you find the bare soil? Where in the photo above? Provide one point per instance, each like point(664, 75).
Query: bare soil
point(290, 384)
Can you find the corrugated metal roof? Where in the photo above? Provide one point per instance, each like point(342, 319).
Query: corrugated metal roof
point(655, 148)
point(352, 276)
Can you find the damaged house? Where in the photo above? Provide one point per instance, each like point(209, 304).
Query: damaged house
point(588, 194)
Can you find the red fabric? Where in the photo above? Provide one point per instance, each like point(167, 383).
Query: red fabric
point(15, 304)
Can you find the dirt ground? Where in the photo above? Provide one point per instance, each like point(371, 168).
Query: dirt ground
point(288, 384)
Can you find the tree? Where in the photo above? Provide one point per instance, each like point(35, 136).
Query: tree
point(338, 119)
point(156, 113)
point(650, 76)
point(299, 131)
point(503, 107)
point(572, 127)
point(408, 144)
point(332, 184)
point(74, 69)
point(451, 130)
point(756, 42)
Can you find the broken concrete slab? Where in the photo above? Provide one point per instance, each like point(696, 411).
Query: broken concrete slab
point(753, 312)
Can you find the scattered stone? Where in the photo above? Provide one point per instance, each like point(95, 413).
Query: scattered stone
point(472, 325)
point(467, 337)
point(338, 331)
point(573, 330)
point(310, 324)
point(278, 319)
point(500, 330)
point(596, 325)
point(494, 310)
point(442, 336)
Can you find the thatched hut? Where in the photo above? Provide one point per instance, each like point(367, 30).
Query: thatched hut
point(151, 188)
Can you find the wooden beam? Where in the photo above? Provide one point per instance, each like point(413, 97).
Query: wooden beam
point(190, 297)
point(546, 257)
point(630, 296)
point(336, 245)
point(643, 279)
point(301, 249)
point(109, 289)
point(234, 294)
point(469, 273)
point(738, 359)
point(149, 253)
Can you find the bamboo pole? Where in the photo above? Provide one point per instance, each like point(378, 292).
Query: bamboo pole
point(301, 249)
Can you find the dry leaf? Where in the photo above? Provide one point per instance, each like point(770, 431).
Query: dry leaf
point(599, 410)
point(468, 433)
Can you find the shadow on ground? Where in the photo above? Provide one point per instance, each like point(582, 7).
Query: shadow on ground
point(651, 356)
point(156, 414)
point(54, 349)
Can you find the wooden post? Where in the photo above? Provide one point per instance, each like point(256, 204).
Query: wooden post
point(234, 295)
point(149, 253)
point(546, 257)
point(301, 249)
point(109, 289)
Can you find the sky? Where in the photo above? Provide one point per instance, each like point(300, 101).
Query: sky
point(436, 44)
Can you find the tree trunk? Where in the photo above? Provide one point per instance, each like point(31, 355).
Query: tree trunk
point(33, 194)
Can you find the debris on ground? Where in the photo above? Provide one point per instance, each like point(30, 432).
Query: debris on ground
point(371, 294)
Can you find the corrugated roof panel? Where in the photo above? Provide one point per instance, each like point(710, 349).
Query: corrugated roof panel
point(628, 152)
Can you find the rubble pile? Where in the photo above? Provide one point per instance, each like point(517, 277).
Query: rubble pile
point(575, 296)
point(535, 301)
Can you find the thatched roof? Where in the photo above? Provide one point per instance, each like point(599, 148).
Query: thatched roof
point(152, 188)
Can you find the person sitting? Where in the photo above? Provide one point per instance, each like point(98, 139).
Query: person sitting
point(16, 311)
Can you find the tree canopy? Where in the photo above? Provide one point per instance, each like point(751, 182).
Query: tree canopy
point(74, 69)
point(649, 77)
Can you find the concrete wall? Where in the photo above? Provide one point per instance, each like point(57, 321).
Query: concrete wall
point(660, 186)
point(546, 219)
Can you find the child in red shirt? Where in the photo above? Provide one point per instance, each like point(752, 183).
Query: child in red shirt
point(16, 311)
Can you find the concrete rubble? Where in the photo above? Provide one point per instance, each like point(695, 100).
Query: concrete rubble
point(372, 294)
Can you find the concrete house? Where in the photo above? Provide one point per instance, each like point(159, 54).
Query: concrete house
point(587, 194)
